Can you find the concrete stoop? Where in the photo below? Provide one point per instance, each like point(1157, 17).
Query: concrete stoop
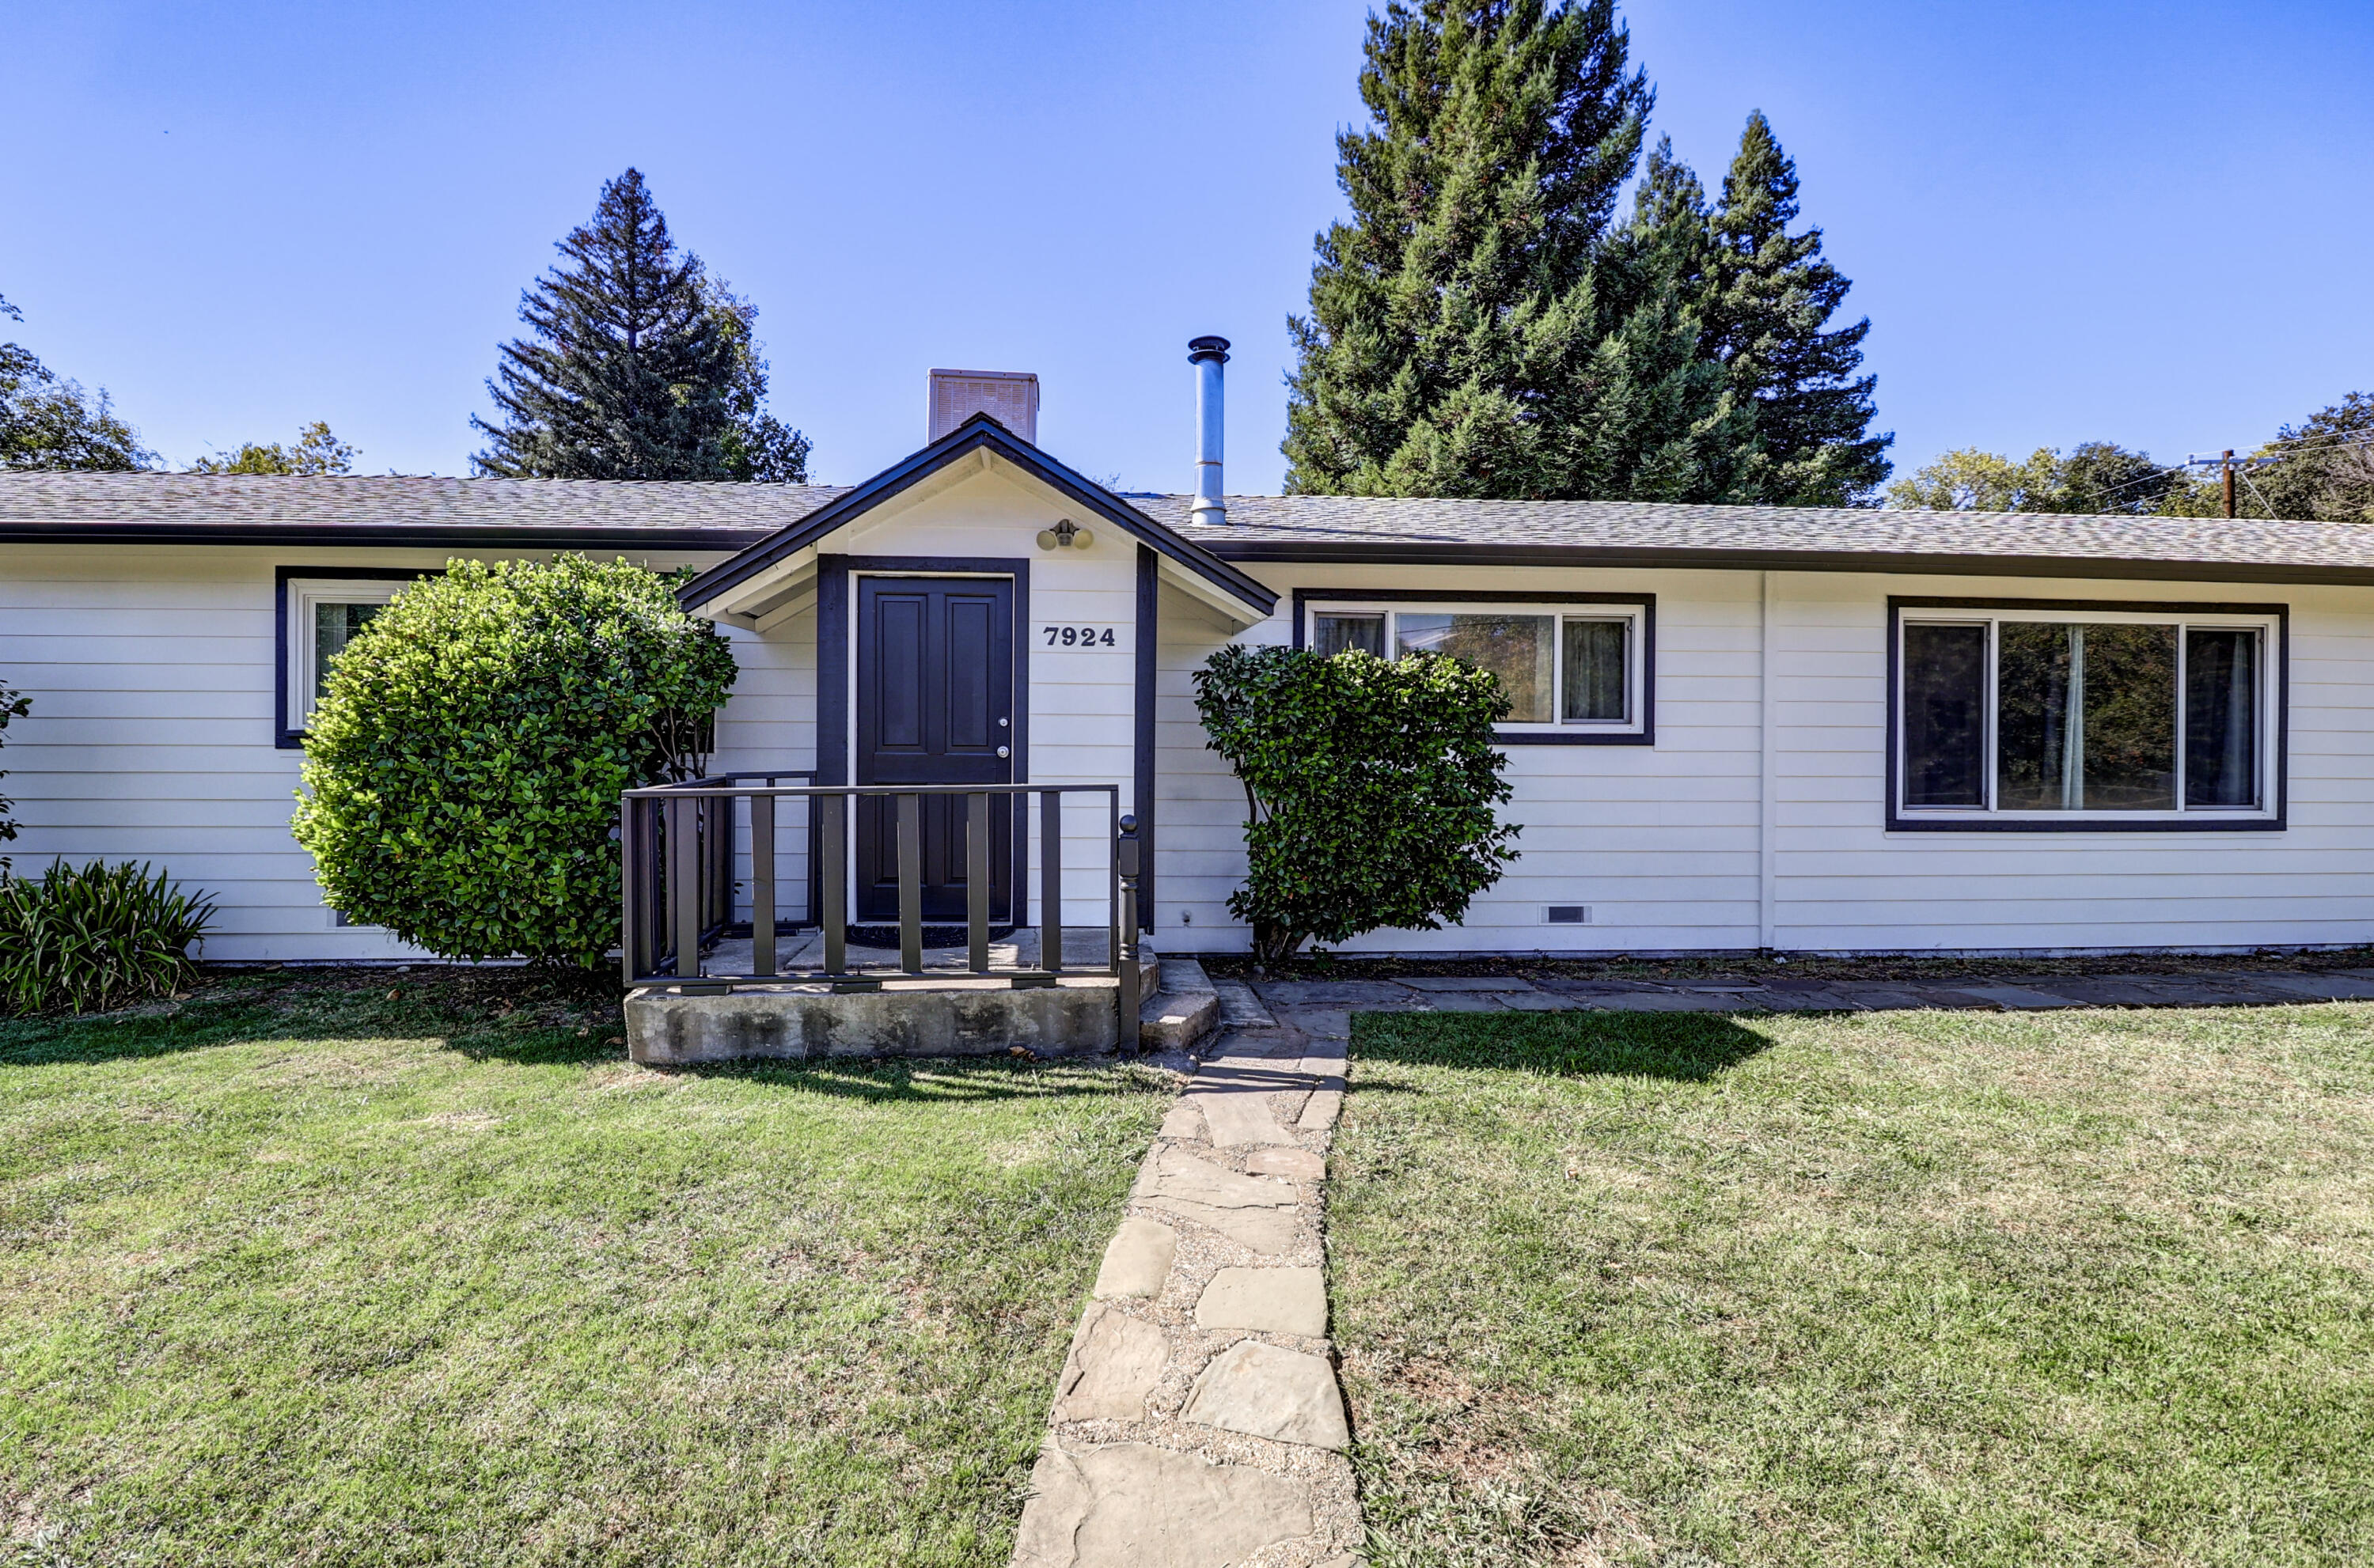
point(1182, 1013)
point(926, 1016)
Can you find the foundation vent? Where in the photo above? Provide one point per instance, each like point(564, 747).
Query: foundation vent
point(1567, 914)
point(1010, 397)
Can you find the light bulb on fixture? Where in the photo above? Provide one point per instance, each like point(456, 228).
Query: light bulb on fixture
point(1066, 534)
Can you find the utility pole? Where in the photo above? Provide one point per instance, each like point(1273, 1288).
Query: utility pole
point(2226, 464)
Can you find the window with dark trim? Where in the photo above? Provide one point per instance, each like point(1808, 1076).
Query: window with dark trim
point(320, 609)
point(2062, 714)
point(1576, 668)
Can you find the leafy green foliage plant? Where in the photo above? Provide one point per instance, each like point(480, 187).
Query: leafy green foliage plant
point(88, 938)
point(314, 451)
point(462, 770)
point(2094, 477)
point(48, 421)
point(13, 704)
point(1371, 785)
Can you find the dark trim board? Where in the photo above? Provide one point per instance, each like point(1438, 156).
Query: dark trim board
point(1877, 563)
point(1648, 603)
point(1149, 610)
point(284, 738)
point(306, 536)
point(833, 625)
point(978, 433)
point(1896, 823)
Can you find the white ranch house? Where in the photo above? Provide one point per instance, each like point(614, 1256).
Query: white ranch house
point(1737, 727)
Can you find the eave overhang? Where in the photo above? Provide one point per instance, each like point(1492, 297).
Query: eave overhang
point(1461, 553)
point(778, 555)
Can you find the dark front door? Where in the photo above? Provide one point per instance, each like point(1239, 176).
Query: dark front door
point(934, 706)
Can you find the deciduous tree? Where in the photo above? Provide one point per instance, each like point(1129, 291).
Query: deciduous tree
point(47, 421)
point(314, 451)
point(2095, 476)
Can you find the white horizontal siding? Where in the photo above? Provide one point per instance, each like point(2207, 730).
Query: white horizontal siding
point(151, 737)
point(1842, 882)
point(1663, 842)
point(152, 674)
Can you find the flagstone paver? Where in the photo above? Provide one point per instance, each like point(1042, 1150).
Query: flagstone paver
point(1276, 1301)
point(1152, 1508)
point(1116, 1360)
point(1300, 1164)
point(1137, 1260)
point(1451, 983)
point(1263, 1391)
point(1228, 1450)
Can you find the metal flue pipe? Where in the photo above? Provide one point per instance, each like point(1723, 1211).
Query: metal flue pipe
point(1208, 355)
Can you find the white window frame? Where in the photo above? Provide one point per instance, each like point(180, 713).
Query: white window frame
point(1636, 655)
point(2268, 624)
point(303, 594)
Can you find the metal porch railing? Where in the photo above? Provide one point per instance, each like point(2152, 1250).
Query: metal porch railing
point(681, 846)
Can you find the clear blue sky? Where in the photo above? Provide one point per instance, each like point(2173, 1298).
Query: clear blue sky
point(2144, 222)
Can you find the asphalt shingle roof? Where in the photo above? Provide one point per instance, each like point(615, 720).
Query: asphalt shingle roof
point(268, 505)
point(728, 516)
point(1822, 537)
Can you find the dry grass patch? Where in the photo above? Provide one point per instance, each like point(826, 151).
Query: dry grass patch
point(1901, 1288)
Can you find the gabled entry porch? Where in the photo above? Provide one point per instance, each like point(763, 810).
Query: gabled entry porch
point(786, 980)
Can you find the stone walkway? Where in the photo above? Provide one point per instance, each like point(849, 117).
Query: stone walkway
point(1322, 1002)
point(1197, 1423)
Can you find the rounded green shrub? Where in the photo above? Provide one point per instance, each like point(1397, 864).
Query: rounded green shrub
point(462, 769)
point(1371, 784)
point(88, 938)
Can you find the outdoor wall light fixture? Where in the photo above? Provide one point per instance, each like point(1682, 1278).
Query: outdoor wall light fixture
point(1067, 534)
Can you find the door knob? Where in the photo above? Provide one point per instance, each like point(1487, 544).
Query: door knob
point(1001, 751)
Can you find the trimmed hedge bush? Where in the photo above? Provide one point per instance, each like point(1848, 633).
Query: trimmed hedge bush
point(1371, 784)
point(89, 938)
point(462, 770)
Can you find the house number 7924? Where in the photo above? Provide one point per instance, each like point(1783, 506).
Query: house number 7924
point(1078, 637)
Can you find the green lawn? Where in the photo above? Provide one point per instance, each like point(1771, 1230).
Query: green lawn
point(303, 1274)
point(1893, 1288)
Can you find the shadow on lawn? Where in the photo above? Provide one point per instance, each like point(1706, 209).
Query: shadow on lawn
point(891, 1080)
point(512, 1019)
point(506, 1014)
point(1689, 1047)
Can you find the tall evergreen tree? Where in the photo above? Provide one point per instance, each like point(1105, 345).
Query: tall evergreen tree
point(1768, 298)
point(1472, 332)
point(640, 365)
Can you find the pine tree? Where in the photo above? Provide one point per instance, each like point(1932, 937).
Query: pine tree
point(1472, 331)
point(640, 365)
point(1767, 295)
